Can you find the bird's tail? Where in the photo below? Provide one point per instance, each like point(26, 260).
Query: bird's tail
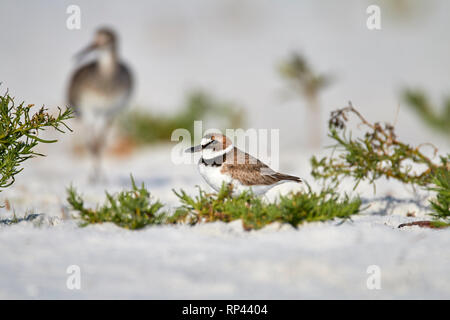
point(286, 177)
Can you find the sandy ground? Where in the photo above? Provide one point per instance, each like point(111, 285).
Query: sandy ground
point(213, 261)
point(231, 49)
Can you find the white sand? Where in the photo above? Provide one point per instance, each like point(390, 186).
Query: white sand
point(319, 260)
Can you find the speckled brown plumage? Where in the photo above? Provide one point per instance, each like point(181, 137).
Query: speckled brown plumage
point(250, 171)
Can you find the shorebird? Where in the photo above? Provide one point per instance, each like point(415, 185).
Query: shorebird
point(100, 89)
point(221, 162)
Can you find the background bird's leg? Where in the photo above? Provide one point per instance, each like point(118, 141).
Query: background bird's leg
point(96, 148)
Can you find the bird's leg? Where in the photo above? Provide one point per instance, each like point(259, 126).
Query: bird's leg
point(96, 147)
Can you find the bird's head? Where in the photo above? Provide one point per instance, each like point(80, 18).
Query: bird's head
point(105, 39)
point(212, 145)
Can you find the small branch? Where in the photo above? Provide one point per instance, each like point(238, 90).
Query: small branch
point(378, 153)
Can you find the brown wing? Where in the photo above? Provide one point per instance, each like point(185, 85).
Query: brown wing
point(250, 171)
point(77, 81)
point(88, 77)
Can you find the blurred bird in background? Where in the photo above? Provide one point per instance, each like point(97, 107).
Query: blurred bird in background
point(99, 90)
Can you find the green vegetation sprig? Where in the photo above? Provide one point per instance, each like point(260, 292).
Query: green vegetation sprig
point(377, 154)
point(132, 209)
point(293, 209)
point(418, 101)
point(441, 203)
point(306, 83)
point(19, 130)
point(441, 185)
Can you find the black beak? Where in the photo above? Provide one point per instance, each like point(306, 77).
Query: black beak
point(80, 55)
point(194, 149)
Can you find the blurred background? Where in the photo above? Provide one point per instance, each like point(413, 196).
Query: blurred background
point(232, 50)
point(264, 64)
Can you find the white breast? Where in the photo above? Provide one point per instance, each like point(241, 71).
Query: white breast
point(215, 179)
point(213, 176)
point(92, 101)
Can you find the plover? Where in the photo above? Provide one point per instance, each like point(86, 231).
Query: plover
point(100, 89)
point(221, 162)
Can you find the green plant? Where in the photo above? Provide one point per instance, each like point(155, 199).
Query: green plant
point(145, 127)
point(419, 102)
point(132, 209)
point(306, 83)
point(19, 130)
point(378, 153)
point(441, 204)
point(255, 213)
